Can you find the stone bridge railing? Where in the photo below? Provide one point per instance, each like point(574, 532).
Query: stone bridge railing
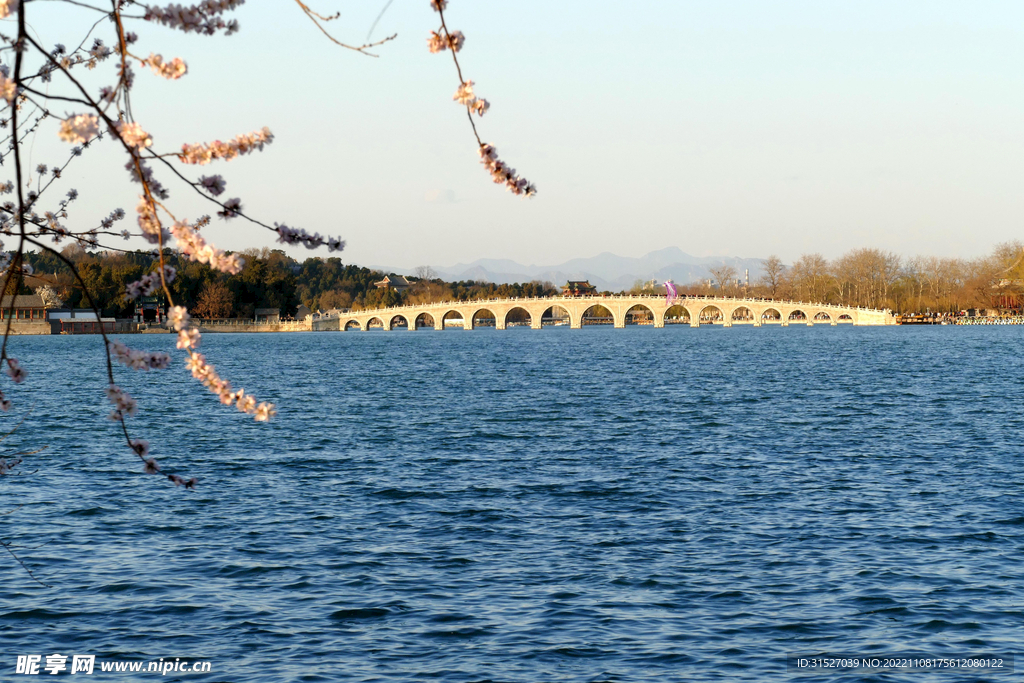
point(618, 311)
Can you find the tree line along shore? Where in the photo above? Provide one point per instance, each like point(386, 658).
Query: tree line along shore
point(869, 278)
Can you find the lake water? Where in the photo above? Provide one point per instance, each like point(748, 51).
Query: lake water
point(556, 505)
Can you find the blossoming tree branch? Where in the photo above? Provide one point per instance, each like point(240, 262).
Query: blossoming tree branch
point(35, 78)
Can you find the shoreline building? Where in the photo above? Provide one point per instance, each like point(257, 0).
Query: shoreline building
point(151, 309)
point(24, 307)
point(579, 288)
point(27, 313)
point(267, 315)
point(395, 282)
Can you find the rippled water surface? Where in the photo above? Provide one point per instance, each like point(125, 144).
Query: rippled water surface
point(571, 505)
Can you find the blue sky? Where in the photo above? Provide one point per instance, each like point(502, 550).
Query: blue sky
point(728, 128)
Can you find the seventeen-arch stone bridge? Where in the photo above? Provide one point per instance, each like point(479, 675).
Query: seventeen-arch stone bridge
point(618, 311)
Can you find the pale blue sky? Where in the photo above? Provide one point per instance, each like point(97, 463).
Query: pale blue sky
point(738, 128)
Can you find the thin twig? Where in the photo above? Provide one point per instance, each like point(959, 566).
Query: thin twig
point(360, 49)
point(7, 547)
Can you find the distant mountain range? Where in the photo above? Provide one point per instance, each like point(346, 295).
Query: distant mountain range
point(605, 271)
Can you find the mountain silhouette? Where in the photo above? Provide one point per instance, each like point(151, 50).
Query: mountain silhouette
point(606, 271)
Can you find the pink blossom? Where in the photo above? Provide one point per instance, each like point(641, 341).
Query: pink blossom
point(178, 317)
point(195, 247)
point(115, 215)
point(199, 18)
point(80, 128)
point(172, 70)
point(8, 7)
point(456, 40)
point(133, 135)
point(203, 153)
point(188, 338)
point(126, 75)
point(99, 51)
point(123, 403)
point(502, 173)
point(232, 208)
point(149, 283)
point(464, 95)
point(245, 402)
point(15, 371)
point(435, 43)
point(180, 481)
point(155, 186)
point(209, 378)
point(212, 184)
point(438, 43)
point(7, 466)
point(286, 235)
point(438, 5)
point(139, 360)
point(8, 88)
point(264, 412)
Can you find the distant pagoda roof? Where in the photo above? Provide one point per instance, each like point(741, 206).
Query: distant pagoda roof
point(393, 282)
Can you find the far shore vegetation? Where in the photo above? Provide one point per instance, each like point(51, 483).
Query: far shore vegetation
point(270, 278)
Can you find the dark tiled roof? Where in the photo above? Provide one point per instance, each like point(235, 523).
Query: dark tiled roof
point(396, 281)
point(23, 301)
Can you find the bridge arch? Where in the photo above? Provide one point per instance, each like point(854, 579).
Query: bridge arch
point(823, 317)
point(639, 314)
point(484, 317)
point(425, 320)
point(677, 315)
point(710, 314)
point(597, 315)
point(844, 318)
point(742, 314)
point(771, 315)
point(555, 315)
point(352, 325)
point(452, 318)
point(518, 316)
point(374, 323)
point(796, 315)
point(398, 321)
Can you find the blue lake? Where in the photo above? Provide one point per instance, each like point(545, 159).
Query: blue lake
point(555, 505)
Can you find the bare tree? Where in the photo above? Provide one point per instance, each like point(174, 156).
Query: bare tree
point(425, 273)
point(725, 276)
point(774, 271)
point(809, 277)
point(866, 277)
